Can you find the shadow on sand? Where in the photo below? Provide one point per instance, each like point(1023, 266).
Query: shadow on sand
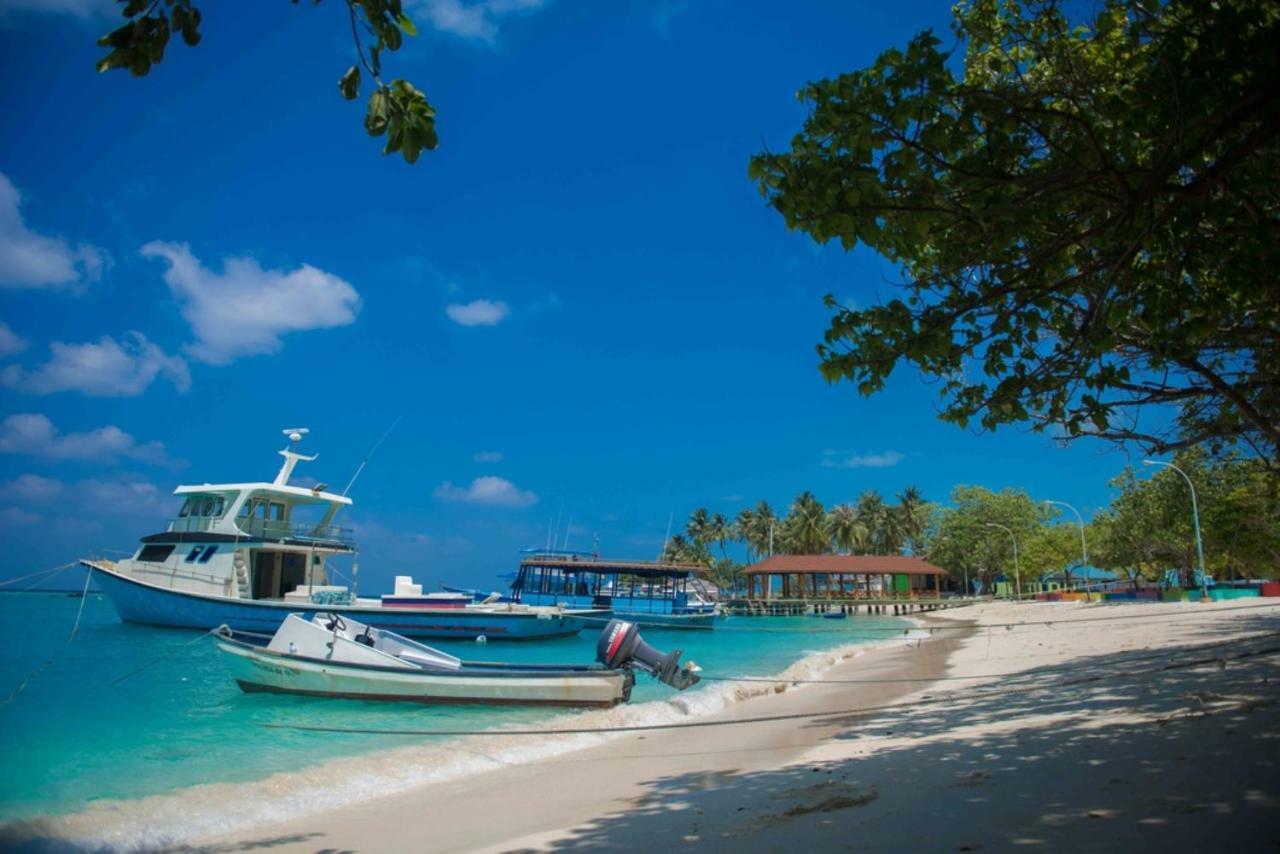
point(1188, 759)
point(1140, 753)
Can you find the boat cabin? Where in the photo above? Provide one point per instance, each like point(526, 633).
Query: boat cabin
point(248, 540)
point(585, 580)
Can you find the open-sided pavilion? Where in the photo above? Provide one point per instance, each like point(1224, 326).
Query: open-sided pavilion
point(843, 577)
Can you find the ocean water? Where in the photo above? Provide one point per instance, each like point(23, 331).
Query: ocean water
point(166, 752)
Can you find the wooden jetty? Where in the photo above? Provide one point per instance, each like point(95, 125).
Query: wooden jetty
point(788, 585)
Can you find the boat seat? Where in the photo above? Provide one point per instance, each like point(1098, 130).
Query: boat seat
point(425, 661)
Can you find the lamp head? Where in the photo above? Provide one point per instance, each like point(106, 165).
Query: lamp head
point(1150, 463)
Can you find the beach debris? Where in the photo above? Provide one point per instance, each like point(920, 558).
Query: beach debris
point(973, 778)
point(846, 798)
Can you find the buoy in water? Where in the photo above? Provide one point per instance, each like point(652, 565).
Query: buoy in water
point(481, 639)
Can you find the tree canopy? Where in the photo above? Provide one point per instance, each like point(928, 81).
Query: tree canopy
point(1086, 218)
point(1149, 526)
point(396, 109)
point(1145, 532)
point(870, 526)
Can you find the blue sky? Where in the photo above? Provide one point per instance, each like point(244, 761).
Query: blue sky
point(579, 307)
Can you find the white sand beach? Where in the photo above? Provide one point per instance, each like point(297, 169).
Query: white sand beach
point(1078, 727)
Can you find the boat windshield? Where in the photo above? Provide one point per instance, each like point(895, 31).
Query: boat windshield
point(203, 506)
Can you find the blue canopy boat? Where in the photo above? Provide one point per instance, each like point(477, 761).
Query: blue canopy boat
point(247, 555)
point(647, 593)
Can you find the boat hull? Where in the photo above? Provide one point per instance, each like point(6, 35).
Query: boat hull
point(668, 621)
point(139, 602)
point(258, 670)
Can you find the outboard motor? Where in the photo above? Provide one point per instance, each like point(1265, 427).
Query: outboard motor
point(620, 646)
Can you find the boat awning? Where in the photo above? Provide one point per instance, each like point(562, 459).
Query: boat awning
point(604, 566)
point(296, 494)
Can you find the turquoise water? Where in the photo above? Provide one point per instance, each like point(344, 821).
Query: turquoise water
point(71, 738)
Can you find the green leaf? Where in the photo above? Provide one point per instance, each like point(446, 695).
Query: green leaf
point(349, 85)
point(407, 25)
point(375, 120)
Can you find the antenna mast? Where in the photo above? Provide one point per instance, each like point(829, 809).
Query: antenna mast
point(369, 455)
point(290, 455)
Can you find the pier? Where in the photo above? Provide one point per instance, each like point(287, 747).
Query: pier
point(741, 607)
point(878, 585)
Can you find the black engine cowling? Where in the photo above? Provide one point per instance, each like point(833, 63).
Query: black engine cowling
point(620, 646)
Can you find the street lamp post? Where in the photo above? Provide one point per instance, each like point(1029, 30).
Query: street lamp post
point(1084, 552)
point(1195, 517)
point(1017, 573)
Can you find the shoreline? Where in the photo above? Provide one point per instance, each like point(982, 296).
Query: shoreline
point(1111, 733)
point(515, 791)
point(216, 809)
point(1066, 737)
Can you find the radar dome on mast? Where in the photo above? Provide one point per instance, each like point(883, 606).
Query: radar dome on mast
point(291, 457)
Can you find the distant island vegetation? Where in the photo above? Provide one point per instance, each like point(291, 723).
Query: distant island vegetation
point(1146, 531)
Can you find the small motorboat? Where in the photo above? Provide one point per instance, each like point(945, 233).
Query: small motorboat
point(332, 655)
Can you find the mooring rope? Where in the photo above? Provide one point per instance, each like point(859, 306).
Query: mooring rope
point(50, 571)
point(812, 715)
point(170, 654)
point(75, 627)
point(1013, 674)
point(961, 625)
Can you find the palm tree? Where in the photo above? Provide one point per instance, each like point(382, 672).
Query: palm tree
point(847, 531)
point(699, 527)
point(806, 526)
point(760, 537)
point(677, 550)
point(913, 517)
point(718, 530)
point(875, 515)
point(744, 532)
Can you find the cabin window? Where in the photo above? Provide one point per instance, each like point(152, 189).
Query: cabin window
point(208, 553)
point(277, 512)
point(155, 554)
point(219, 504)
point(186, 509)
point(195, 553)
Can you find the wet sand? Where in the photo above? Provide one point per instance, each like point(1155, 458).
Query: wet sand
point(1091, 727)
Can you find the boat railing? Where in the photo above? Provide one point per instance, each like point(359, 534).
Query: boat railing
point(188, 524)
point(279, 529)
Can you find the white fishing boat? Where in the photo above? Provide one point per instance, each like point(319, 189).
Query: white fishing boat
point(246, 555)
point(332, 655)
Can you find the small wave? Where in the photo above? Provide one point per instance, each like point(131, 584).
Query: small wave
point(216, 809)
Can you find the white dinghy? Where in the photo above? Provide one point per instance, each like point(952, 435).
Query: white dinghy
point(332, 655)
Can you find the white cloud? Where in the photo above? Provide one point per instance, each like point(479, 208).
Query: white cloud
point(106, 368)
point(31, 488)
point(86, 500)
point(494, 491)
point(31, 260)
point(124, 498)
point(76, 8)
point(14, 517)
point(477, 21)
point(833, 460)
point(481, 312)
point(488, 457)
point(10, 341)
point(34, 434)
point(244, 310)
